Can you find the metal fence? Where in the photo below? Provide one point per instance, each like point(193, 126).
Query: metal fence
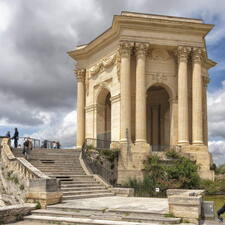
point(90, 151)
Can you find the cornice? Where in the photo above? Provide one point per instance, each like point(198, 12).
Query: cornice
point(132, 22)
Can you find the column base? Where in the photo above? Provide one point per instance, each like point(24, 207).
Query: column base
point(197, 143)
point(183, 142)
point(123, 140)
point(140, 141)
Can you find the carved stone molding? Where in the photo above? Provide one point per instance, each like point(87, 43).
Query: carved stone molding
point(80, 74)
point(103, 64)
point(198, 55)
point(115, 98)
point(160, 54)
point(183, 53)
point(91, 108)
point(126, 48)
point(141, 49)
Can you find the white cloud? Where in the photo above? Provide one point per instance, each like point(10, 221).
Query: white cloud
point(59, 130)
point(217, 148)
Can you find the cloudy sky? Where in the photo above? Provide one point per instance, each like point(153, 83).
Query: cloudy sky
point(37, 84)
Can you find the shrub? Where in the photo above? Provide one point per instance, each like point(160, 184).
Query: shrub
point(213, 187)
point(183, 173)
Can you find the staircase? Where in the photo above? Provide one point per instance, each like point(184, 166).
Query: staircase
point(82, 195)
point(64, 165)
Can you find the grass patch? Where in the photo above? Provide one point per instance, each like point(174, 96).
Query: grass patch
point(170, 215)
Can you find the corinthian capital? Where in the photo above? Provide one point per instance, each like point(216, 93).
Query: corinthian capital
point(183, 53)
point(80, 74)
point(197, 55)
point(141, 49)
point(125, 48)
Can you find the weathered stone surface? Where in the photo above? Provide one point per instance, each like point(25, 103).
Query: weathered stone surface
point(15, 212)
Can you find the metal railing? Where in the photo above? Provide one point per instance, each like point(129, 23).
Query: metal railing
point(90, 155)
point(36, 143)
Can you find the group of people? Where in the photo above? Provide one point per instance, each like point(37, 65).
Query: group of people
point(51, 144)
point(15, 137)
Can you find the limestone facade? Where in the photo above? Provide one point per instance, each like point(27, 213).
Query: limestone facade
point(144, 82)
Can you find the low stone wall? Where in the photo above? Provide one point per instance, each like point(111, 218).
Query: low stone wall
point(186, 204)
point(24, 181)
point(10, 214)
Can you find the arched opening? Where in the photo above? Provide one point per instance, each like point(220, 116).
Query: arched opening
point(104, 119)
point(158, 118)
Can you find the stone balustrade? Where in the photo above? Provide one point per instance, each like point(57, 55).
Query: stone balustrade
point(24, 181)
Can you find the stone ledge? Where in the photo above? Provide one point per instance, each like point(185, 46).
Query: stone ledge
point(9, 214)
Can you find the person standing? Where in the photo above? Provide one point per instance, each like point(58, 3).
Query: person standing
point(8, 134)
point(16, 137)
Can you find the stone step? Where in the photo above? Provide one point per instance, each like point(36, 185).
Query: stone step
point(97, 187)
point(78, 183)
point(86, 221)
point(52, 174)
point(96, 195)
point(108, 216)
point(56, 170)
point(84, 192)
point(67, 173)
point(57, 167)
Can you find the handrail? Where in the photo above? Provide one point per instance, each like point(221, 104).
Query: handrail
point(20, 163)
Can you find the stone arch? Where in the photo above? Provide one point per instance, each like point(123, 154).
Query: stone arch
point(170, 91)
point(158, 116)
point(103, 118)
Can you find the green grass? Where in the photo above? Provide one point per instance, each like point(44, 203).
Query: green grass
point(219, 201)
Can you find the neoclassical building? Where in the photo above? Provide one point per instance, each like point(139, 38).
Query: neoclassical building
point(142, 85)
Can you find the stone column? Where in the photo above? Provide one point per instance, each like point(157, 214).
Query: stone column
point(183, 132)
point(140, 128)
point(197, 124)
point(125, 52)
point(80, 107)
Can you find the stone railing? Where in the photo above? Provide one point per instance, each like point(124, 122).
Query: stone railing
point(24, 181)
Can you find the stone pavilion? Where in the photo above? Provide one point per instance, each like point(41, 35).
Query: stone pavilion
point(142, 86)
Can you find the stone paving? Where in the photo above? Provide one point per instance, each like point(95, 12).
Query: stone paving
point(157, 205)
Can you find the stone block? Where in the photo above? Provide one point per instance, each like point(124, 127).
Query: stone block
point(43, 185)
point(44, 198)
point(124, 192)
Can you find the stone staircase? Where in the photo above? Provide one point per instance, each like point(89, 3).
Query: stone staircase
point(64, 164)
point(79, 188)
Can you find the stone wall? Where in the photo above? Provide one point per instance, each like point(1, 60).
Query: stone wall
point(23, 182)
